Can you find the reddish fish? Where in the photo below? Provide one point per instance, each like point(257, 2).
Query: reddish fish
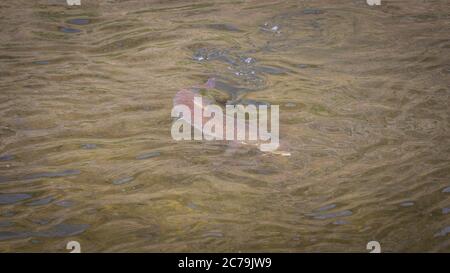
point(187, 97)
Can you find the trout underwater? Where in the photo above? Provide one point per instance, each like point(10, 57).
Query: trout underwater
point(196, 109)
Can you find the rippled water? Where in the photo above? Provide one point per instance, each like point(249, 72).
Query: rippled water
point(85, 146)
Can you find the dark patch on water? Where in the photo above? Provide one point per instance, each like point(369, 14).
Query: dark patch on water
point(63, 230)
point(216, 234)
point(123, 180)
point(443, 232)
point(271, 70)
point(263, 171)
point(4, 179)
point(9, 235)
point(327, 207)
point(41, 62)
point(52, 174)
point(6, 223)
point(8, 213)
point(304, 66)
point(312, 11)
point(224, 27)
point(6, 157)
point(41, 222)
point(148, 155)
point(89, 146)
point(79, 21)
point(69, 30)
point(11, 198)
point(60, 230)
point(40, 202)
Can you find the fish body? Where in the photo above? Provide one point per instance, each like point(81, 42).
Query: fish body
point(197, 104)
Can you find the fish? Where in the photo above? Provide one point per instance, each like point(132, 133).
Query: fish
point(187, 97)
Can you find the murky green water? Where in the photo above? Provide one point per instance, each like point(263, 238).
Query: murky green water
point(85, 146)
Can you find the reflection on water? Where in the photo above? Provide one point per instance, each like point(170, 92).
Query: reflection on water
point(85, 148)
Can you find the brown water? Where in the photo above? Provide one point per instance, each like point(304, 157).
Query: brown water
point(85, 146)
